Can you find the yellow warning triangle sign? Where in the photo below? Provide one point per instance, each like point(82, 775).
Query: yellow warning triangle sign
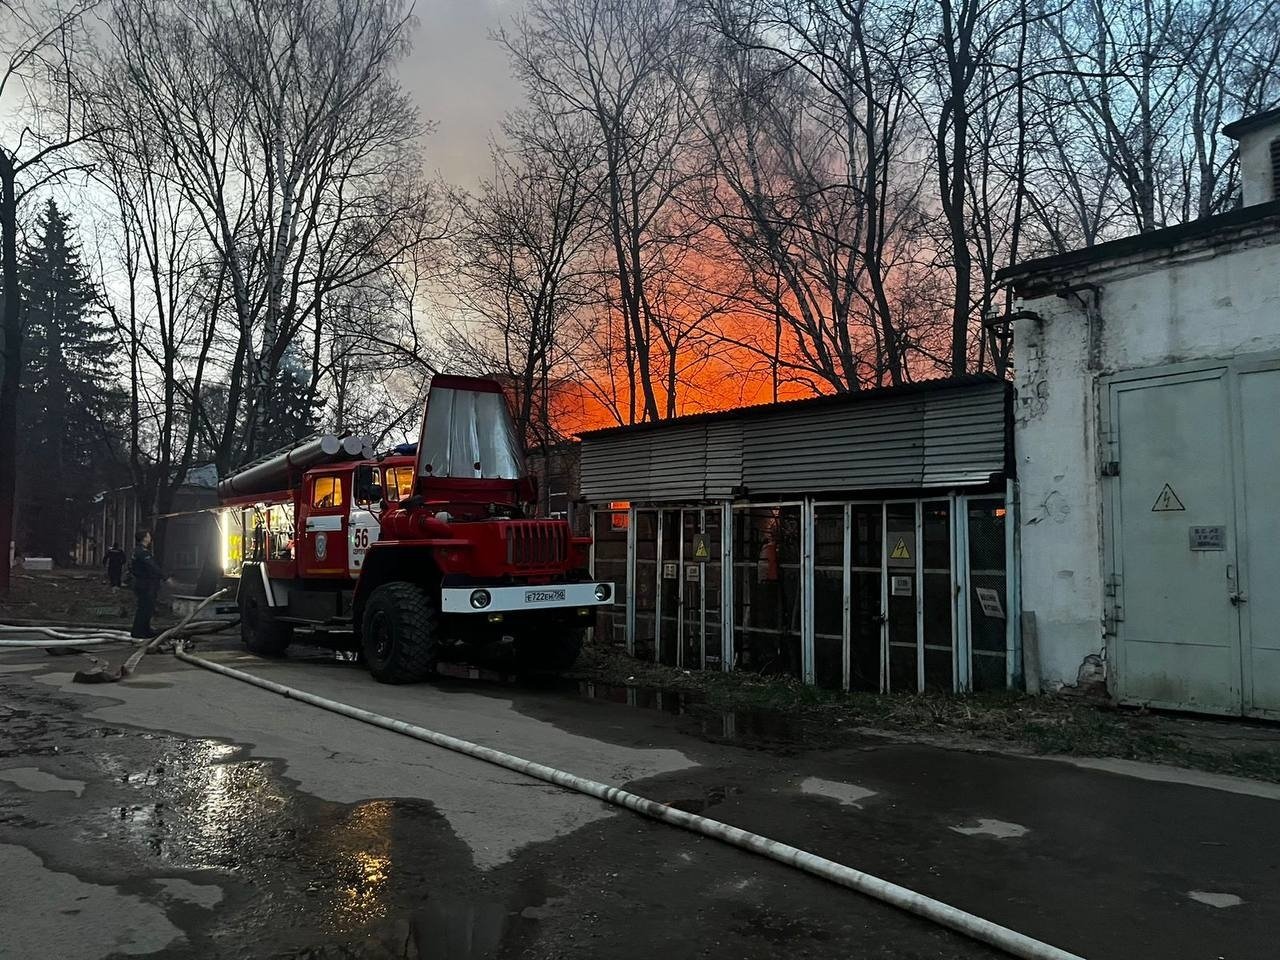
point(1167, 501)
point(900, 551)
point(700, 551)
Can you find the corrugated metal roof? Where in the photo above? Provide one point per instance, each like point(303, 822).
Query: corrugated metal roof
point(950, 433)
point(724, 458)
point(1207, 231)
point(872, 395)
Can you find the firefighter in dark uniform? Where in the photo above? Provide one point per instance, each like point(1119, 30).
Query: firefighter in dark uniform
point(114, 562)
point(147, 577)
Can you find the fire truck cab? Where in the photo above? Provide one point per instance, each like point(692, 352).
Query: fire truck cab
point(412, 556)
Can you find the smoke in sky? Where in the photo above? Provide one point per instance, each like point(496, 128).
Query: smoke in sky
point(462, 81)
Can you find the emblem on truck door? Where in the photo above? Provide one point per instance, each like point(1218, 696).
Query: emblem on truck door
point(322, 546)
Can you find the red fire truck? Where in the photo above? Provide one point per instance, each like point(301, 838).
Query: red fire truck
point(405, 556)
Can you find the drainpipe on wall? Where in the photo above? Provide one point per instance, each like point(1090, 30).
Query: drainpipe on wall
point(1092, 306)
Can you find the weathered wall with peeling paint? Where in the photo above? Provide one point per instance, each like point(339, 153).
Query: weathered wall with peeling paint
point(1153, 310)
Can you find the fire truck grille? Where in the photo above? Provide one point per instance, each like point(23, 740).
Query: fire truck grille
point(537, 543)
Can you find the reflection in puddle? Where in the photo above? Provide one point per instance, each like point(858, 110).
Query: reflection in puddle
point(741, 725)
point(360, 848)
point(233, 816)
point(461, 929)
point(745, 726)
point(203, 828)
point(199, 804)
point(200, 808)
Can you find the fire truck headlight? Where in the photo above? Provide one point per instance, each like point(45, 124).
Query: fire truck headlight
point(480, 599)
point(603, 592)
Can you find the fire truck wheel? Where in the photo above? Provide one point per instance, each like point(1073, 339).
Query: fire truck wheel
point(259, 630)
point(556, 650)
point(400, 633)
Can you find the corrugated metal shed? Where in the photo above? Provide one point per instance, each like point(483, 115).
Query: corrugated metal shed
point(935, 434)
point(724, 458)
point(966, 436)
point(617, 471)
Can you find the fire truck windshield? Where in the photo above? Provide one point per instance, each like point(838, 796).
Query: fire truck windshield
point(468, 433)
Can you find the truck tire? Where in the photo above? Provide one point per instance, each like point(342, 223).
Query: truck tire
point(260, 632)
point(557, 649)
point(400, 633)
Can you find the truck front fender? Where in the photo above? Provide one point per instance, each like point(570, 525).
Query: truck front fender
point(387, 562)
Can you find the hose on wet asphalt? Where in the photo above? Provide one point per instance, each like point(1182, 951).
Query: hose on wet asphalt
point(60, 636)
point(64, 636)
point(1010, 941)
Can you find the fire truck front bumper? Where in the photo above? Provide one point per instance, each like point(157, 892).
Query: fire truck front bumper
point(555, 596)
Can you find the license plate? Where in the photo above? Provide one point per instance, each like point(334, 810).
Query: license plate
point(543, 596)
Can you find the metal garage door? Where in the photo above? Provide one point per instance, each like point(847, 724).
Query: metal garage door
point(1259, 484)
point(1193, 521)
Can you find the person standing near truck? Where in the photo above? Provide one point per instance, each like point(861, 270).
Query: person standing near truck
point(114, 562)
point(147, 577)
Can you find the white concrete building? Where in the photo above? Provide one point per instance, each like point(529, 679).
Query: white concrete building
point(1147, 439)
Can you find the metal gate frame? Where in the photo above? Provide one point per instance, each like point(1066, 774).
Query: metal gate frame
point(961, 668)
point(961, 601)
point(727, 536)
point(680, 511)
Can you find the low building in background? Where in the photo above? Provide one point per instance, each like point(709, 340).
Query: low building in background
point(1148, 454)
point(860, 541)
point(556, 468)
point(191, 537)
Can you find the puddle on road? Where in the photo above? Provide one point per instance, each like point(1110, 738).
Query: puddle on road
point(238, 857)
point(741, 726)
point(366, 874)
point(700, 804)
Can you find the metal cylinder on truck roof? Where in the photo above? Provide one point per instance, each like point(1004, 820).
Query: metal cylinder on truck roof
point(354, 446)
point(277, 471)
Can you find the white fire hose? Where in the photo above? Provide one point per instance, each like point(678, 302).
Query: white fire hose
point(87, 637)
point(1010, 941)
point(64, 636)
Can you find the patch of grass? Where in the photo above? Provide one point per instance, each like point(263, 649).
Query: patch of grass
point(1004, 720)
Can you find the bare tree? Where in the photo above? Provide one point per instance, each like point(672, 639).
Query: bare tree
point(37, 67)
point(297, 150)
point(173, 290)
point(526, 255)
point(619, 65)
point(1147, 85)
point(807, 121)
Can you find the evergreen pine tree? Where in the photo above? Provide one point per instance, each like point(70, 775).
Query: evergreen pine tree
point(287, 415)
point(67, 398)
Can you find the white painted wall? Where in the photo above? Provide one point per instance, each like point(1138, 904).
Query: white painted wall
point(1255, 163)
point(1195, 307)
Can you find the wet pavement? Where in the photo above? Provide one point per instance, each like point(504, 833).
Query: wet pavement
point(185, 815)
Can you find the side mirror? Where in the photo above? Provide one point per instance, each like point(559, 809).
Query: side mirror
point(370, 495)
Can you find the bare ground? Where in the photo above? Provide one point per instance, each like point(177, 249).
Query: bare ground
point(72, 596)
point(1063, 724)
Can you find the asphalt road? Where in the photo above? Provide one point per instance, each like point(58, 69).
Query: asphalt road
point(183, 814)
